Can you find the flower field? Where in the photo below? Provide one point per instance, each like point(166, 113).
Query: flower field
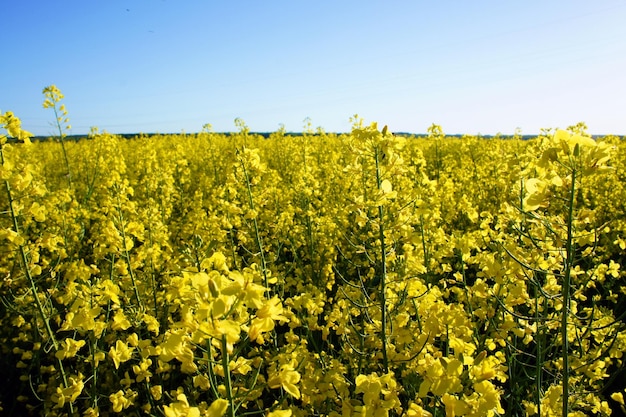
point(360, 274)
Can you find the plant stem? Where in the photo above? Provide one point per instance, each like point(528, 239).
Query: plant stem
point(539, 341)
point(257, 235)
point(61, 136)
point(569, 248)
point(383, 272)
point(126, 254)
point(31, 280)
point(227, 381)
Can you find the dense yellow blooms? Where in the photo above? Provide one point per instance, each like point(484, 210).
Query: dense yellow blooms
point(362, 274)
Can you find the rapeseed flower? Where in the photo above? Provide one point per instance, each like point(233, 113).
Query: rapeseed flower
point(69, 348)
point(120, 353)
point(13, 126)
point(181, 408)
point(286, 377)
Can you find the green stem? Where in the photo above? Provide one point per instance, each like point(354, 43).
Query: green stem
point(539, 365)
point(570, 247)
point(31, 281)
point(227, 381)
point(309, 228)
point(257, 235)
point(61, 136)
point(93, 342)
point(383, 278)
point(126, 254)
point(438, 163)
point(424, 248)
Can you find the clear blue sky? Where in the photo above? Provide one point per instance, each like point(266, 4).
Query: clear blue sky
point(473, 67)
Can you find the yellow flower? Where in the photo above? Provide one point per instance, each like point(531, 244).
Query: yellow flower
point(38, 212)
point(484, 369)
point(120, 353)
point(618, 397)
point(69, 348)
point(110, 291)
point(97, 358)
point(217, 408)
point(120, 322)
point(287, 378)
point(70, 393)
point(241, 366)
point(171, 346)
point(579, 152)
point(119, 401)
point(181, 408)
point(271, 311)
point(216, 262)
point(536, 194)
point(201, 381)
point(156, 391)
point(443, 376)
point(142, 370)
point(229, 328)
point(489, 397)
point(370, 386)
point(454, 406)
point(151, 323)
point(91, 412)
point(13, 126)
point(569, 142)
point(417, 411)
point(52, 94)
point(280, 413)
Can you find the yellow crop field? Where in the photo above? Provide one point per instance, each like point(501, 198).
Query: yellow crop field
point(360, 274)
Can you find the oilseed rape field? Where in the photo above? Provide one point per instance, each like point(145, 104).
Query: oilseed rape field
point(359, 274)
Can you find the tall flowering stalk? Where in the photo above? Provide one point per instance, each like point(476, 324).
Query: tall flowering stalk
point(552, 200)
point(61, 121)
point(12, 125)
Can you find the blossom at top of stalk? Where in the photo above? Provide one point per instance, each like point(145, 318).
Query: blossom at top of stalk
point(53, 95)
point(13, 126)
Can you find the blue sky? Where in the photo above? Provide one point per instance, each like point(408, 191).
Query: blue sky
point(473, 67)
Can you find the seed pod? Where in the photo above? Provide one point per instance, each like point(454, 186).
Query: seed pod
point(213, 288)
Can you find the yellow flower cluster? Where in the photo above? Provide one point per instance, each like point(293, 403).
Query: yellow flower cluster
point(362, 274)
